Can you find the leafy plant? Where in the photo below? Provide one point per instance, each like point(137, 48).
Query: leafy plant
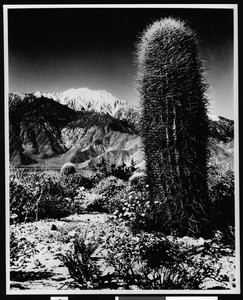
point(138, 180)
point(222, 194)
point(80, 264)
point(105, 169)
point(174, 126)
point(40, 195)
point(20, 250)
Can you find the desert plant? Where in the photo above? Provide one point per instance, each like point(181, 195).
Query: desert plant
point(20, 250)
point(39, 196)
point(79, 262)
point(75, 181)
point(105, 169)
point(68, 168)
point(138, 180)
point(108, 190)
point(109, 186)
point(174, 125)
point(222, 195)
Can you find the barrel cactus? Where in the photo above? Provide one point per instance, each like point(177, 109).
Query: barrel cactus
point(174, 125)
point(68, 169)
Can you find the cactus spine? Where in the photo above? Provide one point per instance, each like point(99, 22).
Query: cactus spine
point(174, 125)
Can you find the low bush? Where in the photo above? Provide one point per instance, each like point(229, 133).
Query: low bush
point(143, 261)
point(108, 190)
point(109, 186)
point(88, 202)
point(222, 195)
point(79, 262)
point(105, 169)
point(22, 200)
point(77, 180)
point(135, 207)
point(20, 250)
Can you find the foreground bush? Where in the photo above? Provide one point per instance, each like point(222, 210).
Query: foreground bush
point(107, 191)
point(143, 261)
point(222, 206)
point(20, 250)
point(80, 265)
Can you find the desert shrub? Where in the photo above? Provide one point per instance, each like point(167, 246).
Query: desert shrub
point(109, 186)
point(37, 196)
point(79, 262)
point(222, 194)
point(108, 190)
point(133, 206)
point(77, 180)
point(98, 204)
point(144, 261)
point(55, 207)
point(105, 169)
point(20, 250)
point(122, 171)
point(174, 125)
point(21, 201)
point(151, 261)
point(86, 201)
point(68, 168)
point(136, 208)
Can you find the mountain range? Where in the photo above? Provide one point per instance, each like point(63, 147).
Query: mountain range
point(83, 125)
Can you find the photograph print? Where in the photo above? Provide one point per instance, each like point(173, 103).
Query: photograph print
point(121, 134)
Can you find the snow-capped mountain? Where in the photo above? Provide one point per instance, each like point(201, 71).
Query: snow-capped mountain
point(92, 100)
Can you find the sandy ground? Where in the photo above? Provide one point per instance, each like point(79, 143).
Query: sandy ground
point(44, 270)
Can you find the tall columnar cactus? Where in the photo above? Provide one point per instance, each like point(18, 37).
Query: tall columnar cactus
point(174, 125)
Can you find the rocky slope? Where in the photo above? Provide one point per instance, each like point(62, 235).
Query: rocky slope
point(81, 125)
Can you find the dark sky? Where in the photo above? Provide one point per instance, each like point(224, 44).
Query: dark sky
point(53, 50)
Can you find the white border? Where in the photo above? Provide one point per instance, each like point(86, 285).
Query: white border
point(234, 7)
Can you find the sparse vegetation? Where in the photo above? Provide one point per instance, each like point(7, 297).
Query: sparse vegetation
point(20, 250)
point(105, 169)
point(142, 261)
point(35, 196)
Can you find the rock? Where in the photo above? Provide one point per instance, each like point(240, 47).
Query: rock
point(53, 227)
point(58, 278)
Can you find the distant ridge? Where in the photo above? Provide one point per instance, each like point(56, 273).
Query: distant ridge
point(89, 100)
point(82, 126)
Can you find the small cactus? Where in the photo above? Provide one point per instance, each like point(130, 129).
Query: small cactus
point(138, 179)
point(68, 169)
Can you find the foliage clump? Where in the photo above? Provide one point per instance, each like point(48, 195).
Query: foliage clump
point(21, 250)
point(138, 180)
point(222, 204)
point(174, 126)
point(104, 169)
point(141, 261)
point(40, 195)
